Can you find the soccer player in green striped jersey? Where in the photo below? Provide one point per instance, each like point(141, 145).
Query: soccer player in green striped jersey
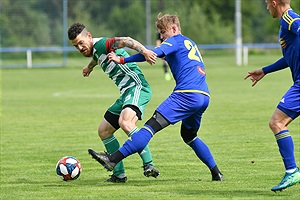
point(135, 93)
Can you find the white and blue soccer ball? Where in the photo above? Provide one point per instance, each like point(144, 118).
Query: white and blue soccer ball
point(68, 168)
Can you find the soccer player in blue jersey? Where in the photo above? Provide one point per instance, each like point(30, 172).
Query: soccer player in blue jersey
point(187, 102)
point(165, 64)
point(288, 108)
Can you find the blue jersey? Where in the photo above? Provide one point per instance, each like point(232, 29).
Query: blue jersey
point(186, 63)
point(289, 38)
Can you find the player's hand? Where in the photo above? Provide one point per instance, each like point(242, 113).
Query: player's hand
point(86, 71)
point(113, 57)
point(150, 56)
point(255, 76)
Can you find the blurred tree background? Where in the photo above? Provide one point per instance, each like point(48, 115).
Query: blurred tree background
point(29, 23)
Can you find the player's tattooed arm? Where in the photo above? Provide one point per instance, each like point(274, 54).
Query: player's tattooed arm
point(149, 55)
point(120, 42)
point(86, 71)
point(92, 64)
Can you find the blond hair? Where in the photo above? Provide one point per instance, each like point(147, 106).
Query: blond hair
point(165, 21)
point(282, 2)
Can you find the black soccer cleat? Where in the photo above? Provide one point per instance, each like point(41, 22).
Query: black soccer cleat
point(103, 159)
point(216, 174)
point(218, 177)
point(114, 179)
point(150, 170)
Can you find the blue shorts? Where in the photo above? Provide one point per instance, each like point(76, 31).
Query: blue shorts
point(187, 107)
point(290, 102)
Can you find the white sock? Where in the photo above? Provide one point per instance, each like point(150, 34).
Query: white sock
point(290, 171)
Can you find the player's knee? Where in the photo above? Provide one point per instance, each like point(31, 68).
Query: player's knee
point(129, 117)
point(188, 135)
point(275, 126)
point(126, 125)
point(157, 122)
point(104, 133)
point(101, 133)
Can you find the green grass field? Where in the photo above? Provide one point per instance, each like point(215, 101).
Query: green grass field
point(54, 112)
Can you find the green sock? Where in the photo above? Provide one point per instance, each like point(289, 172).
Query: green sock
point(112, 144)
point(145, 154)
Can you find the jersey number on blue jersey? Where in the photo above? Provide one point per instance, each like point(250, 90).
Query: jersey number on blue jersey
point(194, 53)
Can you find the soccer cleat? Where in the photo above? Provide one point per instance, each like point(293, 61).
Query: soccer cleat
point(114, 179)
point(288, 180)
point(150, 170)
point(218, 177)
point(216, 174)
point(103, 159)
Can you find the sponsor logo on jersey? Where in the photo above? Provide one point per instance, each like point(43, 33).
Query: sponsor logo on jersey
point(201, 71)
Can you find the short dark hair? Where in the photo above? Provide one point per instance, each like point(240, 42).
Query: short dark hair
point(74, 30)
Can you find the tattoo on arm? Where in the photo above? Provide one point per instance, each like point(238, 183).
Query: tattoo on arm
point(92, 64)
point(128, 42)
point(116, 44)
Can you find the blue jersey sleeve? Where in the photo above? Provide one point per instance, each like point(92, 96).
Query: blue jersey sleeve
point(169, 46)
point(140, 58)
point(159, 52)
point(278, 65)
point(135, 58)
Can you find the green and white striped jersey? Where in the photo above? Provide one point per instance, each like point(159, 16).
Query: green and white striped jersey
point(123, 75)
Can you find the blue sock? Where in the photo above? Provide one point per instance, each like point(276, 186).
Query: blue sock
point(203, 152)
point(286, 149)
point(137, 142)
point(145, 154)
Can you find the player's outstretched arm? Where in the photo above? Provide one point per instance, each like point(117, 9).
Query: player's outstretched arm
point(122, 60)
point(255, 76)
point(86, 71)
point(120, 42)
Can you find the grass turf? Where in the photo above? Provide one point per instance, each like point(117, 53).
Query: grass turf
point(55, 112)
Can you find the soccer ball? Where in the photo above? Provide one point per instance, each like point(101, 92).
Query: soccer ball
point(68, 168)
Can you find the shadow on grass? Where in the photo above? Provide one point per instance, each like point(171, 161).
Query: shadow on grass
point(157, 186)
point(240, 194)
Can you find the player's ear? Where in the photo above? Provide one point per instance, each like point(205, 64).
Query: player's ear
point(89, 35)
point(174, 28)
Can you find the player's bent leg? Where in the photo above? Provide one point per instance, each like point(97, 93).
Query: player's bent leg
point(127, 121)
point(278, 124)
point(202, 151)
point(111, 144)
point(279, 121)
point(145, 154)
point(136, 143)
point(106, 133)
point(140, 139)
